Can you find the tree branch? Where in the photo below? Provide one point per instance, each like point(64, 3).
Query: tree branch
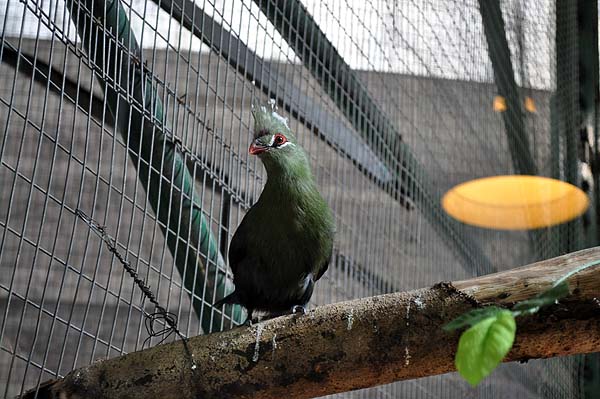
point(351, 345)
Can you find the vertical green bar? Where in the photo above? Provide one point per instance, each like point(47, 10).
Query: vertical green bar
point(587, 30)
point(499, 52)
point(567, 100)
point(160, 167)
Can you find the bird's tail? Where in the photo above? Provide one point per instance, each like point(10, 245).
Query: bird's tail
point(229, 299)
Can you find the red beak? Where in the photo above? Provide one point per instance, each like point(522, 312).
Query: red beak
point(256, 149)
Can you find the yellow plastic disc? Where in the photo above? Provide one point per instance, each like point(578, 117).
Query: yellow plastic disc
point(515, 202)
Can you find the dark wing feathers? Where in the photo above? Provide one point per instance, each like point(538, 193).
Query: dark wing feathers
point(323, 269)
point(237, 248)
point(325, 265)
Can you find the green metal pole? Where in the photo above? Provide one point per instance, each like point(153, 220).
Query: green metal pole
point(567, 93)
point(132, 100)
point(587, 18)
point(518, 141)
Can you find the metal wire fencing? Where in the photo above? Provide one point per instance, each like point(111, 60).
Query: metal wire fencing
point(125, 127)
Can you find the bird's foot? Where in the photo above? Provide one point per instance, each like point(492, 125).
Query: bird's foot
point(296, 309)
point(249, 320)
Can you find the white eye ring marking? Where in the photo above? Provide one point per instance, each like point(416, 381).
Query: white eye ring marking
point(279, 146)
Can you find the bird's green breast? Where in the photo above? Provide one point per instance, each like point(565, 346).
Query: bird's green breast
point(294, 225)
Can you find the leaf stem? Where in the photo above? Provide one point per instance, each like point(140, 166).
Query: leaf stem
point(575, 271)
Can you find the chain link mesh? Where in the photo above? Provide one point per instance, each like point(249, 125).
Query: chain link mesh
point(73, 131)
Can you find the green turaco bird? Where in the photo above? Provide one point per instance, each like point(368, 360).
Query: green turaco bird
point(284, 243)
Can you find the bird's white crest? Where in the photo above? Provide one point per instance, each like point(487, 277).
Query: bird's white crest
point(280, 118)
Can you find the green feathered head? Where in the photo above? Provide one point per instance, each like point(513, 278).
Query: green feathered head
point(272, 135)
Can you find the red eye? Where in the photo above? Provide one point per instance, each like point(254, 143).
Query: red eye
point(279, 139)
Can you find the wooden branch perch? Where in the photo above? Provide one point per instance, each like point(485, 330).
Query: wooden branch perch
point(351, 345)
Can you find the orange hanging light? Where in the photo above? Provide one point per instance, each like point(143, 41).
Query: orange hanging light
point(499, 104)
point(515, 202)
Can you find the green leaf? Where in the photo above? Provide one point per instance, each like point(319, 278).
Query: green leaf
point(473, 317)
point(482, 347)
point(546, 298)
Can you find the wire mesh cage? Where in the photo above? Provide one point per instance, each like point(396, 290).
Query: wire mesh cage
point(123, 149)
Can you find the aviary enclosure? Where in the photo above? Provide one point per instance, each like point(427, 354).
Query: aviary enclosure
point(124, 129)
